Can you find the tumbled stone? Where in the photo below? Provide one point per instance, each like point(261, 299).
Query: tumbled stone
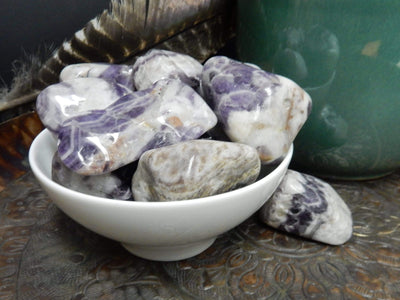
point(62, 101)
point(104, 140)
point(194, 169)
point(255, 107)
point(161, 64)
point(121, 74)
point(114, 185)
point(309, 207)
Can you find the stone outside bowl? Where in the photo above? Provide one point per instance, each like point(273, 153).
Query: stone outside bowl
point(162, 231)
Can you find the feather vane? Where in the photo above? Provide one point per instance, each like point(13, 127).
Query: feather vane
point(195, 27)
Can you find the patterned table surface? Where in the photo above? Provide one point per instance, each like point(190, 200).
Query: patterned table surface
point(46, 255)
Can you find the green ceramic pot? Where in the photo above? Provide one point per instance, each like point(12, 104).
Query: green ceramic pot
point(346, 55)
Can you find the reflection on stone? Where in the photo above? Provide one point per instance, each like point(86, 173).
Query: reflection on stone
point(103, 140)
point(162, 64)
point(255, 107)
point(59, 102)
point(121, 74)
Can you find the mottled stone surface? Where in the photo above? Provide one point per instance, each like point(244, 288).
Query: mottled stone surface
point(113, 185)
point(121, 74)
point(104, 140)
point(194, 169)
point(75, 97)
point(160, 64)
point(257, 108)
point(309, 207)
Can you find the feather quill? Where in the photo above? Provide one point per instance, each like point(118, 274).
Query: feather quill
point(195, 27)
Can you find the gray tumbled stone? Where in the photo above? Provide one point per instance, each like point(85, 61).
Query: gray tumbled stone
point(194, 169)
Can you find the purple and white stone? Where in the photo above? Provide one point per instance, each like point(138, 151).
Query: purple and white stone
point(194, 169)
point(114, 185)
point(255, 107)
point(104, 140)
point(309, 207)
point(62, 101)
point(161, 64)
point(122, 74)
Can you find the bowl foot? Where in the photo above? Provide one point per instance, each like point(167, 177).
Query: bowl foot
point(169, 253)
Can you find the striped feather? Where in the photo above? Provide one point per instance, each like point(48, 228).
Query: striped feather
point(195, 27)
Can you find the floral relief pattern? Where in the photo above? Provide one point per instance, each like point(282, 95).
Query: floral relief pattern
point(274, 265)
point(46, 255)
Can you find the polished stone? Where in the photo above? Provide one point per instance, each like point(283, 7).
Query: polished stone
point(105, 139)
point(122, 74)
point(160, 64)
point(113, 185)
point(255, 107)
point(194, 169)
point(309, 207)
point(62, 101)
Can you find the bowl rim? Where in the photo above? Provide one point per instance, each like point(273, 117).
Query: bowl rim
point(47, 181)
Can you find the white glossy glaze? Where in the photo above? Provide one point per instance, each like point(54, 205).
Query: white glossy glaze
point(161, 231)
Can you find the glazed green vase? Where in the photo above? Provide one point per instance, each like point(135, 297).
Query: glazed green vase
point(346, 55)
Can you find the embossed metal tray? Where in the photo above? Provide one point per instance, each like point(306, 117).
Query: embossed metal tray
point(46, 255)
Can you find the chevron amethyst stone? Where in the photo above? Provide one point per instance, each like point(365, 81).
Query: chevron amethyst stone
point(309, 207)
point(62, 101)
point(255, 107)
point(161, 64)
point(194, 169)
point(113, 185)
point(121, 74)
point(103, 140)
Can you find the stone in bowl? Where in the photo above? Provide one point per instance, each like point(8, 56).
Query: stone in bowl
point(162, 231)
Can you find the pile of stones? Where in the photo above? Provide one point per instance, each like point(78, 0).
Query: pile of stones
point(169, 128)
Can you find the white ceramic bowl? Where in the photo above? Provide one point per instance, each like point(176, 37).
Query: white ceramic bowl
point(161, 231)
